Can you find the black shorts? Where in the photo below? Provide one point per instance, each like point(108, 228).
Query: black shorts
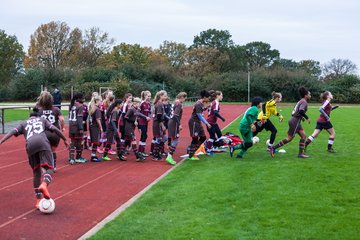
point(41, 159)
point(85, 127)
point(323, 125)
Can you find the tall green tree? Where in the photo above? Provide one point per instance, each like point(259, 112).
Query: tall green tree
point(288, 64)
point(202, 61)
point(49, 46)
point(131, 54)
point(175, 52)
point(95, 43)
point(213, 38)
point(260, 54)
point(11, 57)
point(310, 66)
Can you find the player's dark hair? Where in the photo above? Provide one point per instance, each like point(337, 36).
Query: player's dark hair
point(303, 91)
point(112, 106)
point(324, 95)
point(256, 100)
point(204, 94)
point(77, 96)
point(212, 95)
point(35, 112)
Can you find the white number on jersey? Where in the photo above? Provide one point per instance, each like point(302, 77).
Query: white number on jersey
point(72, 114)
point(33, 127)
point(48, 115)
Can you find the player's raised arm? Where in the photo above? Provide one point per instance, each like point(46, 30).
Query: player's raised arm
point(9, 135)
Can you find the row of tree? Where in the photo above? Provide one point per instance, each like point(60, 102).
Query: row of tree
point(88, 60)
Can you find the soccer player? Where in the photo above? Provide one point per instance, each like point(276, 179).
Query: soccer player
point(323, 121)
point(95, 126)
point(108, 99)
point(167, 112)
point(158, 123)
point(174, 126)
point(38, 150)
point(125, 107)
point(214, 114)
point(85, 127)
point(247, 127)
point(263, 119)
point(112, 132)
point(197, 132)
point(54, 116)
point(131, 117)
point(297, 115)
point(145, 108)
point(76, 129)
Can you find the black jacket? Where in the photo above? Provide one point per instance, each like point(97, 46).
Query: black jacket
point(57, 97)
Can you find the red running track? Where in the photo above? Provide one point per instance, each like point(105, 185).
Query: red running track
point(84, 193)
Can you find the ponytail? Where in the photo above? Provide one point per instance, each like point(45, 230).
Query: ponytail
point(112, 106)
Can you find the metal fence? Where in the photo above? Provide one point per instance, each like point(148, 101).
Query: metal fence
point(4, 108)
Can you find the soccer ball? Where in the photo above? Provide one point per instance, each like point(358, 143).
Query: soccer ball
point(268, 142)
point(46, 205)
point(255, 140)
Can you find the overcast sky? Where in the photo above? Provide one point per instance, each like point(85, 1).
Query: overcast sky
point(300, 30)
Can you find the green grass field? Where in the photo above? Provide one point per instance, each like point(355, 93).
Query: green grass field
point(257, 197)
point(21, 114)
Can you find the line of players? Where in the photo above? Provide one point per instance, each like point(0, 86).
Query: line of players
point(254, 122)
point(44, 128)
point(115, 119)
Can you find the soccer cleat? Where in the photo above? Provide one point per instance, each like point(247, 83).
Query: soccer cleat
point(231, 151)
point(95, 159)
point(194, 158)
point(37, 203)
point(81, 160)
point(111, 152)
point(54, 169)
point(43, 188)
point(99, 150)
point(106, 158)
point(164, 154)
point(156, 158)
point(121, 158)
point(144, 154)
point(125, 152)
point(170, 160)
point(71, 161)
point(331, 150)
point(272, 151)
point(140, 158)
point(302, 156)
